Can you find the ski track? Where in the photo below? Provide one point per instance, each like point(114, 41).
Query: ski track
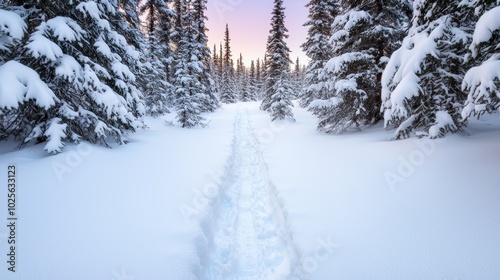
point(249, 238)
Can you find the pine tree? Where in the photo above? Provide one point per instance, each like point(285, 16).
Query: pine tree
point(209, 101)
point(221, 62)
point(253, 89)
point(277, 85)
point(215, 69)
point(363, 37)
point(245, 94)
point(189, 89)
point(483, 80)
point(421, 84)
point(259, 79)
point(297, 80)
point(227, 94)
point(158, 92)
point(239, 78)
point(70, 74)
point(317, 47)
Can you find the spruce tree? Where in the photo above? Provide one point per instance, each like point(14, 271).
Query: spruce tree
point(227, 94)
point(215, 69)
point(297, 80)
point(189, 90)
point(253, 89)
point(239, 78)
point(483, 80)
point(209, 101)
point(317, 47)
point(71, 73)
point(421, 91)
point(277, 85)
point(159, 91)
point(364, 35)
point(259, 79)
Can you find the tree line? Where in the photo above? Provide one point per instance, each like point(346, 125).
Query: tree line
point(90, 70)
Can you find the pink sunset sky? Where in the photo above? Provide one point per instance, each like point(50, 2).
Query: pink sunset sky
point(249, 24)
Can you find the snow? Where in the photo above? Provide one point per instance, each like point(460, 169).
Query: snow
point(122, 71)
point(103, 48)
point(40, 46)
point(400, 78)
point(488, 23)
point(320, 103)
point(19, 83)
point(90, 8)
point(338, 63)
point(68, 67)
point(55, 134)
point(12, 26)
point(250, 238)
point(353, 206)
point(65, 29)
point(351, 19)
point(482, 78)
point(443, 119)
point(481, 81)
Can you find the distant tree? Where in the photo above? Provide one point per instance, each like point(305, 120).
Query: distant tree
point(253, 89)
point(215, 69)
point(297, 80)
point(239, 78)
point(277, 85)
point(227, 94)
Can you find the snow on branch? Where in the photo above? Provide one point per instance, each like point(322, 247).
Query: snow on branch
point(485, 26)
point(12, 27)
point(65, 29)
point(19, 83)
point(55, 133)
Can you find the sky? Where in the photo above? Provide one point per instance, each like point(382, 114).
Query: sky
point(249, 25)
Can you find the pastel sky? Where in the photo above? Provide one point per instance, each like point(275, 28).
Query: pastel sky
point(249, 24)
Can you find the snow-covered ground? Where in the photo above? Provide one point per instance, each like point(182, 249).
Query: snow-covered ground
point(249, 199)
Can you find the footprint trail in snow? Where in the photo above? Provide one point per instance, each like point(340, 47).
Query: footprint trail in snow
point(249, 239)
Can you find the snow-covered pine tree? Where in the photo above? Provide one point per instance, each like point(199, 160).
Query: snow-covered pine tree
point(421, 85)
point(245, 94)
point(277, 85)
point(317, 47)
point(263, 77)
point(129, 26)
point(253, 89)
point(239, 77)
point(228, 93)
point(297, 80)
point(215, 69)
point(259, 78)
point(189, 90)
point(364, 35)
point(69, 74)
point(158, 92)
point(221, 66)
point(209, 101)
point(483, 80)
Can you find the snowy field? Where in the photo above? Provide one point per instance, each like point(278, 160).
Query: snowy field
point(248, 199)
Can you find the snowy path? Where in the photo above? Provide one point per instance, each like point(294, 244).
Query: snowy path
point(249, 239)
